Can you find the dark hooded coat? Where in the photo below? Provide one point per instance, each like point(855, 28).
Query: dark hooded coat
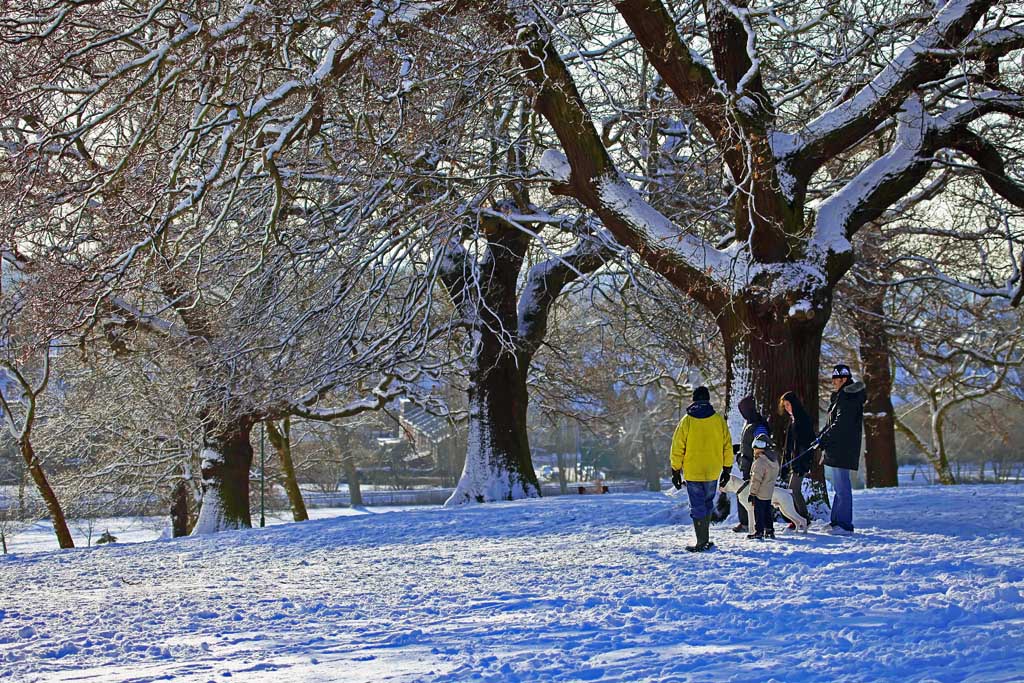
point(843, 432)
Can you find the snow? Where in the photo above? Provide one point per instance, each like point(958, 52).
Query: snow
point(484, 474)
point(800, 309)
point(740, 386)
point(211, 515)
point(562, 589)
point(731, 268)
point(555, 165)
point(835, 213)
point(890, 79)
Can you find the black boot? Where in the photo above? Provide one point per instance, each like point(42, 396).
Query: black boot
point(708, 544)
point(698, 545)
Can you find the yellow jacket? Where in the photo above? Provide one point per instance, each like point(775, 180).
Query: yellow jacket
point(701, 445)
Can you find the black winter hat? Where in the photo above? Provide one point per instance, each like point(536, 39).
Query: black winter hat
point(841, 371)
point(701, 394)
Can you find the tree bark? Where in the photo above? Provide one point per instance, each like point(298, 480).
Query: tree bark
point(768, 355)
point(60, 524)
point(226, 461)
point(179, 510)
point(879, 420)
point(281, 440)
point(498, 463)
point(650, 462)
point(355, 493)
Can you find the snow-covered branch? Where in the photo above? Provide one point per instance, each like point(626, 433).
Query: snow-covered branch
point(844, 125)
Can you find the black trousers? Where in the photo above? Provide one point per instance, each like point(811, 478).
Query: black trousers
point(763, 515)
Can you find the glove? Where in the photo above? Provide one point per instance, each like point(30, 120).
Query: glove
point(750, 499)
point(677, 479)
point(724, 479)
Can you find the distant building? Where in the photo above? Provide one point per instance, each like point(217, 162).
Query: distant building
point(427, 432)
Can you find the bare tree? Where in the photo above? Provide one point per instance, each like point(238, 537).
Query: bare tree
point(962, 352)
point(790, 105)
point(20, 413)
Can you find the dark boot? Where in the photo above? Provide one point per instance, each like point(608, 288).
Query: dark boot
point(769, 532)
point(698, 545)
point(708, 544)
point(740, 529)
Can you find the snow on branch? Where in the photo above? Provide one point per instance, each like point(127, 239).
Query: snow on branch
point(729, 268)
point(123, 313)
point(844, 125)
point(844, 212)
point(546, 281)
point(386, 391)
point(885, 181)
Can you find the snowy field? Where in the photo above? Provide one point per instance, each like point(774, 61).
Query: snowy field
point(39, 535)
point(589, 588)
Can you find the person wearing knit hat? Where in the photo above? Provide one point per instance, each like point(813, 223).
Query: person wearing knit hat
point(702, 454)
point(762, 485)
point(840, 442)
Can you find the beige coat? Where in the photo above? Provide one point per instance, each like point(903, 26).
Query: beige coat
point(763, 474)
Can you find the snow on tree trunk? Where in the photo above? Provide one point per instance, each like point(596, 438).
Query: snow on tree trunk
point(767, 358)
point(226, 461)
point(498, 463)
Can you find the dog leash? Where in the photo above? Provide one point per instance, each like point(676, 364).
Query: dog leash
point(797, 457)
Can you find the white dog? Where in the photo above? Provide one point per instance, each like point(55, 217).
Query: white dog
point(781, 498)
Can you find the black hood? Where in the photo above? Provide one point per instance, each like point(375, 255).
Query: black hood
point(700, 409)
point(748, 411)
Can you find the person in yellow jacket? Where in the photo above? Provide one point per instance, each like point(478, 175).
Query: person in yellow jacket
point(702, 455)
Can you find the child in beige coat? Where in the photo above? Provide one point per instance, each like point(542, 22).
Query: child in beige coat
point(763, 474)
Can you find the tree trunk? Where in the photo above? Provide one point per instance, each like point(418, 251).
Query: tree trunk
point(650, 462)
point(766, 358)
point(179, 510)
point(226, 461)
point(498, 463)
point(355, 494)
point(938, 456)
point(879, 420)
point(60, 524)
point(281, 440)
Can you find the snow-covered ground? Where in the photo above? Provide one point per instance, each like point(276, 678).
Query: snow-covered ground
point(39, 535)
point(593, 588)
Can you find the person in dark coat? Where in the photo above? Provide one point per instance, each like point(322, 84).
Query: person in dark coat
point(754, 425)
point(840, 442)
point(797, 452)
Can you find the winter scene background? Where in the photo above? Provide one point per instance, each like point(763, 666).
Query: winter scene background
point(346, 340)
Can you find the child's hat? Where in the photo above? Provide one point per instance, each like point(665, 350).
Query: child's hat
point(760, 442)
